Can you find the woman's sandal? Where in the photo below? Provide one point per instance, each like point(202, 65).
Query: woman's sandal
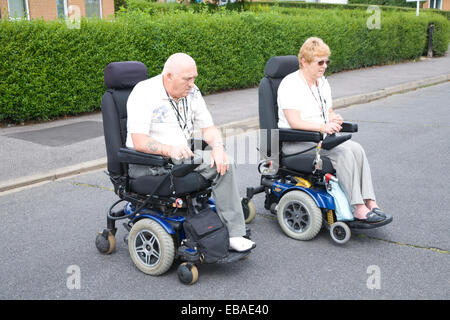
point(379, 212)
point(372, 217)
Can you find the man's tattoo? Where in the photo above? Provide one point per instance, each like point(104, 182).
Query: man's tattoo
point(153, 146)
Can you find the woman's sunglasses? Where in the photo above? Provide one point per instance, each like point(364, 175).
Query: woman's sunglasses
point(321, 62)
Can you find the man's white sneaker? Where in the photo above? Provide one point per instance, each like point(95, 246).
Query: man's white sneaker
point(241, 244)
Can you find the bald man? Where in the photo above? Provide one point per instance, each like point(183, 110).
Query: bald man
point(163, 112)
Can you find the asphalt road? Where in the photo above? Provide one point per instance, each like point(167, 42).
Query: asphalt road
point(48, 231)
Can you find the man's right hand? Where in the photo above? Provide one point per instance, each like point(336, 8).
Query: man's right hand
point(144, 143)
point(179, 152)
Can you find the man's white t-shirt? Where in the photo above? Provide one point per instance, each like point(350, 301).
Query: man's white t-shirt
point(294, 93)
point(151, 112)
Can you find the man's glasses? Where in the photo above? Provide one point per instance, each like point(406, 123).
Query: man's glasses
point(321, 62)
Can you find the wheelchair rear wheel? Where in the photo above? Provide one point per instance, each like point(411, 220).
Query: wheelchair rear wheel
point(151, 247)
point(299, 216)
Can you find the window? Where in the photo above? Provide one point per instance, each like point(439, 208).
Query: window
point(18, 9)
point(61, 8)
point(436, 4)
point(93, 8)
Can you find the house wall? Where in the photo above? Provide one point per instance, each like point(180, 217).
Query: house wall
point(80, 4)
point(42, 9)
point(445, 5)
point(47, 8)
point(107, 8)
point(3, 9)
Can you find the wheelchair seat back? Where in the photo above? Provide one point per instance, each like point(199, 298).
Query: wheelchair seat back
point(120, 79)
point(276, 69)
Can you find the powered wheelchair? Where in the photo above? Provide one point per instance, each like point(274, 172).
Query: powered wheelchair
point(298, 186)
point(156, 207)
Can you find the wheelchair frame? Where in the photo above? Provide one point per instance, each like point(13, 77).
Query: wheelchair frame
point(168, 212)
point(156, 219)
point(279, 185)
point(281, 188)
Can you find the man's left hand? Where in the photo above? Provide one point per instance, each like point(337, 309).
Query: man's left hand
point(219, 158)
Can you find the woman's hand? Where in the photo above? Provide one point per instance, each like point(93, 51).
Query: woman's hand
point(330, 128)
point(337, 118)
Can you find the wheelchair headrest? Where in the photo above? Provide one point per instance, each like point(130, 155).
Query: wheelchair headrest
point(281, 66)
point(124, 74)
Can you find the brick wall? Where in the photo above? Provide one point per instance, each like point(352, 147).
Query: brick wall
point(47, 8)
point(107, 8)
point(42, 9)
point(80, 4)
point(3, 9)
point(445, 5)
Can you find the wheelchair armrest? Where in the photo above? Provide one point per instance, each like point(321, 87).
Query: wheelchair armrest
point(126, 155)
point(349, 127)
point(180, 170)
point(332, 141)
point(292, 135)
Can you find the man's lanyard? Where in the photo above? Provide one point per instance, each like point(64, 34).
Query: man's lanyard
point(181, 122)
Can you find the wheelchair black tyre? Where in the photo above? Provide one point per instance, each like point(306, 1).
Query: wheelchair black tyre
point(151, 248)
point(249, 210)
point(105, 246)
point(298, 215)
point(340, 232)
point(187, 273)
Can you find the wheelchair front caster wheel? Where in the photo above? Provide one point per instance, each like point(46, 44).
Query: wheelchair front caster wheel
point(187, 273)
point(105, 242)
point(248, 207)
point(340, 232)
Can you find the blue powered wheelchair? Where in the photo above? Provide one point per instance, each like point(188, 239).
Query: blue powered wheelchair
point(300, 188)
point(157, 208)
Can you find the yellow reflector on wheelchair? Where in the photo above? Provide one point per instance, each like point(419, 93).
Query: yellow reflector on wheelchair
point(302, 182)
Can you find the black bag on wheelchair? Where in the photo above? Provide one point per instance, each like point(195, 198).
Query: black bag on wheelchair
point(207, 232)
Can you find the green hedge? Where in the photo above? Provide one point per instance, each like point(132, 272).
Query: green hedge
point(48, 70)
point(150, 7)
point(396, 3)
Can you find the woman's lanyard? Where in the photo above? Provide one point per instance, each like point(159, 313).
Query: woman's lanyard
point(182, 122)
point(320, 104)
point(317, 164)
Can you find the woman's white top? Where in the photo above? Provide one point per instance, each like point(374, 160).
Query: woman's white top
point(294, 93)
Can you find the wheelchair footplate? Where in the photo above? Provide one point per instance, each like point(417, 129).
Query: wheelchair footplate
point(234, 256)
point(364, 225)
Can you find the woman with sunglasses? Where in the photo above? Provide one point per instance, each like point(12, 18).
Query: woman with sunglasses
point(304, 103)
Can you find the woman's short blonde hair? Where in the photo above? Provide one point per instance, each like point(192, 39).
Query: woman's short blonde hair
point(311, 48)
